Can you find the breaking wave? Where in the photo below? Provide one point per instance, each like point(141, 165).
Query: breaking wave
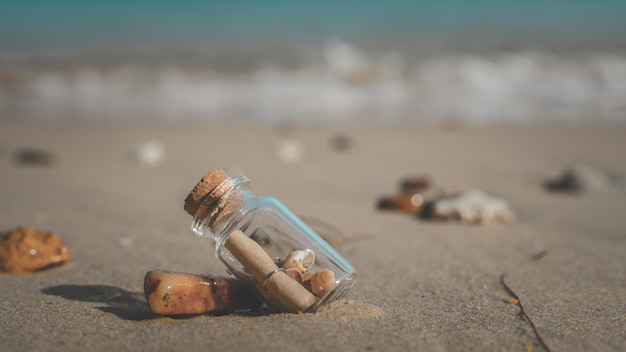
point(336, 83)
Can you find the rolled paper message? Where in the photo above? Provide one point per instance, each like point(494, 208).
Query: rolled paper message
point(285, 290)
point(172, 293)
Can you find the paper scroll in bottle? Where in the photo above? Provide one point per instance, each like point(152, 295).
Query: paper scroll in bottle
point(288, 292)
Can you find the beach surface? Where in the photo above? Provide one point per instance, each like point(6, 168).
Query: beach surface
point(421, 285)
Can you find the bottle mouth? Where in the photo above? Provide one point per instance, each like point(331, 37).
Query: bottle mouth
point(217, 206)
point(224, 189)
point(201, 228)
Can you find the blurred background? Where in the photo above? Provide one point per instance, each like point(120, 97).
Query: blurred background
point(316, 62)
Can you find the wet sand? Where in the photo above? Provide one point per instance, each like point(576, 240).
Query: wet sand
point(421, 285)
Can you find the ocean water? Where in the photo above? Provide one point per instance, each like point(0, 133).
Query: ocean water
point(388, 62)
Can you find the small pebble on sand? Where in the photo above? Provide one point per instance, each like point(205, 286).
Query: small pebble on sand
point(583, 179)
point(25, 250)
point(290, 151)
point(33, 156)
point(150, 153)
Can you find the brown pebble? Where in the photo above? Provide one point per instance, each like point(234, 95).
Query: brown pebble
point(513, 301)
point(31, 156)
point(25, 250)
point(529, 346)
point(342, 143)
point(173, 293)
point(414, 185)
point(411, 203)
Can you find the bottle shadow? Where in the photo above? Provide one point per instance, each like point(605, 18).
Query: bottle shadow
point(125, 304)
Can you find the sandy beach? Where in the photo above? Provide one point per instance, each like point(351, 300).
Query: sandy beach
point(421, 285)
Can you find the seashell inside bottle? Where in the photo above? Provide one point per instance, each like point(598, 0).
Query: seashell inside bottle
point(224, 208)
point(300, 260)
point(322, 282)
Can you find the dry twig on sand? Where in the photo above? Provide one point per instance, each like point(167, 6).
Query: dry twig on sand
point(523, 313)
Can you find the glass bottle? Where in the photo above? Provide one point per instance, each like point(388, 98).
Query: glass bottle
point(230, 206)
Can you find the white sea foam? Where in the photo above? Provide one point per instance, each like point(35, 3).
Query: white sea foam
point(345, 83)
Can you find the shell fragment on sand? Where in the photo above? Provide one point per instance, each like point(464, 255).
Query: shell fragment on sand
point(290, 151)
point(150, 153)
point(173, 293)
point(473, 206)
point(25, 250)
point(583, 179)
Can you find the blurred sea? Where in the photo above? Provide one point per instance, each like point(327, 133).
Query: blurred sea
point(479, 62)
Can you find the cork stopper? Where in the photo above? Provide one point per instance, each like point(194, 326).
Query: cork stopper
point(207, 184)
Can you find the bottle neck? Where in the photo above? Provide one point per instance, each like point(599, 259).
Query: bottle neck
point(221, 206)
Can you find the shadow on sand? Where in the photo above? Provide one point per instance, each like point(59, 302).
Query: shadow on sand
point(125, 304)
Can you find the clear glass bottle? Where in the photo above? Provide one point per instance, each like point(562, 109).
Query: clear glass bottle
point(230, 206)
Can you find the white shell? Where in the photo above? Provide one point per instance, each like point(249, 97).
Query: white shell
point(474, 207)
point(150, 153)
point(290, 151)
point(300, 259)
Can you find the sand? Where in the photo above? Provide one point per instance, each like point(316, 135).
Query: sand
point(421, 285)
